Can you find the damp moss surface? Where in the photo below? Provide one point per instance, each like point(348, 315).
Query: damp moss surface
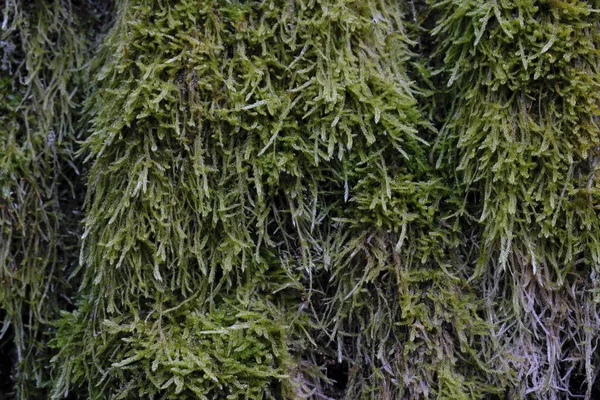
point(305, 199)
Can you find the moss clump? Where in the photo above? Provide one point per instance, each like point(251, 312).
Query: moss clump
point(223, 133)
point(42, 82)
point(522, 134)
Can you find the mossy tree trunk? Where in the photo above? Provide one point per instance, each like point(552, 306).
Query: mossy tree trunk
point(349, 199)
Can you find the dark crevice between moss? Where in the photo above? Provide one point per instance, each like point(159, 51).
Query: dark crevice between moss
point(578, 386)
point(7, 360)
point(338, 373)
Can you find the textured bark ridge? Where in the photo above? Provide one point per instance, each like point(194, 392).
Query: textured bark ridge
point(286, 199)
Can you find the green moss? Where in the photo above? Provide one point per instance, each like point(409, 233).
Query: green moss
point(355, 199)
point(522, 134)
point(42, 82)
point(228, 140)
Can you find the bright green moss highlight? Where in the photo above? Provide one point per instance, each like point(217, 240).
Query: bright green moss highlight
point(222, 136)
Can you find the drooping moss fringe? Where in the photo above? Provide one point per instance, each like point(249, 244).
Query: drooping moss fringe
point(43, 79)
point(523, 135)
